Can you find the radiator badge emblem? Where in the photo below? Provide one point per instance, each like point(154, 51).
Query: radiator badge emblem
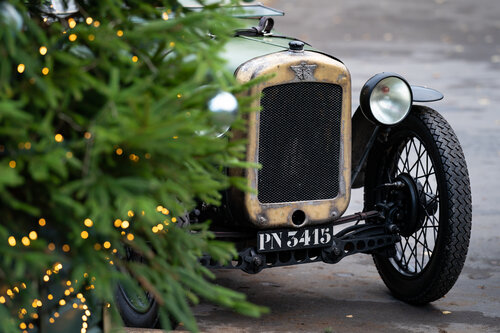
point(304, 72)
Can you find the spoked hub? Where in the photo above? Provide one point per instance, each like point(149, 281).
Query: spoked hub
point(411, 200)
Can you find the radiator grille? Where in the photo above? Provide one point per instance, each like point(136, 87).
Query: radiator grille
point(299, 142)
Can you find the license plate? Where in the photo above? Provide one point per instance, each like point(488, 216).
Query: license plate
point(292, 239)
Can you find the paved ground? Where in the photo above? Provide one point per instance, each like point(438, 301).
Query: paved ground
point(450, 45)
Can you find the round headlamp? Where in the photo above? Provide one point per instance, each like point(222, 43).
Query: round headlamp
point(223, 109)
point(386, 99)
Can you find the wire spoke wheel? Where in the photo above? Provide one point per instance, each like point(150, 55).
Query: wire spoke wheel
point(413, 253)
point(424, 150)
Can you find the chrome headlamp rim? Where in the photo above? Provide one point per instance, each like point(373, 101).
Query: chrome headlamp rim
point(367, 94)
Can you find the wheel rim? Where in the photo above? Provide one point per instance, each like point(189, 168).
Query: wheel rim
point(414, 252)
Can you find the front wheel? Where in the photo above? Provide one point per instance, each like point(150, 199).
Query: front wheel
point(423, 152)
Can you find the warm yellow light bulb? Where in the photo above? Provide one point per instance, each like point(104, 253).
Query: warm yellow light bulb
point(42, 222)
point(12, 164)
point(26, 241)
point(45, 71)
point(72, 23)
point(164, 16)
point(119, 33)
point(84, 234)
point(119, 151)
point(52, 246)
point(97, 24)
point(117, 223)
point(2, 300)
point(42, 50)
point(125, 224)
point(21, 68)
point(135, 58)
point(72, 37)
point(130, 213)
point(89, 20)
point(106, 245)
point(33, 235)
point(88, 223)
point(59, 138)
point(62, 302)
point(12, 241)
point(130, 237)
point(66, 248)
point(91, 37)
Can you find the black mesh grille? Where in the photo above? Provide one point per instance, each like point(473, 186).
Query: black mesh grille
point(299, 142)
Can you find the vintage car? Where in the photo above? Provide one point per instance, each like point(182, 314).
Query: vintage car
point(314, 149)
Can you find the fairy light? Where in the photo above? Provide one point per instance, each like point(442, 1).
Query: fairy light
point(46, 278)
point(10, 293)
point(117, 223)
point(33, 235)
point(125, 224)
point(147, 156)
point(42, 50)
point(22, 326)
point(160, 226)
point(26, 241)
point(119, 151)
point(50, 297)
point(62, 302)
point(130, 237)
point(88, 223)
point(97, 246)
point(2, 300)
point(66, 248)
point(164, 16)
point(45, 71)
point(52, 320)
point(119, 33)
point(165, 211)
point(97, 24)
point(67, 292)
point(69, 154)
point(87, 313)
point(27, 145)
point(172, 44)
point(130, 213)
point(59, 138)
point(159, 208)
point(68, 283)
point(75, 305)
point(106, 245)
point(84, 234)
point(72, 23)
point(175, 137)
point(155, 229)
point(16, 289)
point(42, 222)
point(21, 68)
point(56, 314)
point(89, 20)
point(115, 251)
point(179, 95)
point(51, 246)
point(72, 37)
point(174, 219)
point(12, 164)
point(34, 315)
point(12, 241)
point(135, 58)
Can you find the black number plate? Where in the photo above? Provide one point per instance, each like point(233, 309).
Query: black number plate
point(292, 239)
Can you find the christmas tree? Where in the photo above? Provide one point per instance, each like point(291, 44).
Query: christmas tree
point(106, 144)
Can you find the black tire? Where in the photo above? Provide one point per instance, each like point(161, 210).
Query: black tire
point(137, 308)
point(141, 310)
point(427, 262)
